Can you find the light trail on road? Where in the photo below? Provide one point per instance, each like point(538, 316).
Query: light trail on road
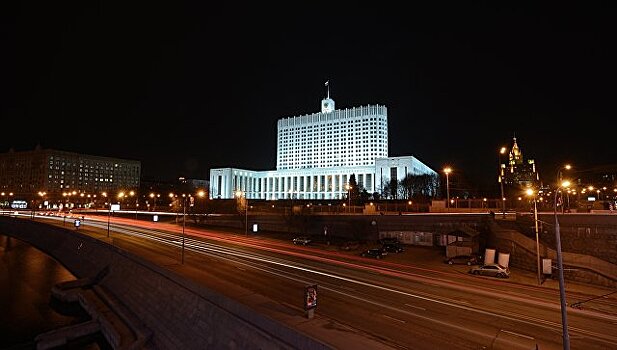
point(381, 287)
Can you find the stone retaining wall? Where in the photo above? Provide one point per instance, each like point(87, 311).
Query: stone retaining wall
point(180, 313)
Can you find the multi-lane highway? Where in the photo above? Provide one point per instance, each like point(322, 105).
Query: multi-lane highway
point(400, 305)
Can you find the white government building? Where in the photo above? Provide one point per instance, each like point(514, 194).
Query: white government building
point(316, 155)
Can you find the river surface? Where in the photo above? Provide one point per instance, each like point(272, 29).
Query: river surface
point(27, 308)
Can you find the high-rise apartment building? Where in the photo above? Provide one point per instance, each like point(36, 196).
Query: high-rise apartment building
point(317, 154)
point(54, 172)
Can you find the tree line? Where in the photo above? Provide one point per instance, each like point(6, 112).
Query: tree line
point(412, 187)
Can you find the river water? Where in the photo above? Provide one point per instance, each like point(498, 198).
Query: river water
point(27, 308)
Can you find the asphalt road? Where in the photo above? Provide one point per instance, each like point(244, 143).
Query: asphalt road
point(409, 300)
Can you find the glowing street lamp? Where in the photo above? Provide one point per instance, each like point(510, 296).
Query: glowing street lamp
point(183, 223)
point(531, 192)
point(560, 180)
point(503, 200)
point(562, 291)
point(241, 194)
point(447, 171)
point(108, 212)
point(154, 197)
point(349, 187)
point(121, 195)
point(132, 193)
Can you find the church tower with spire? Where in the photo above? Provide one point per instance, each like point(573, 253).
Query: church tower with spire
point(520, 173)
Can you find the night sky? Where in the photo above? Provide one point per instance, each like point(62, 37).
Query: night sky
point(185, 88)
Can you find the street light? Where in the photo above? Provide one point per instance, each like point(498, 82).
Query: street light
point(132, 193)
point(154, 197)
point(108, 212)
point(531, 192)
point(349, 187)
point(201, 194)
point(562, 291)
point(559, 180)
point(121, 196)
point(42, 194)
point(447, 170)
point(503, 200)
point(246, 211)
point(6, 201)
point(183, 223)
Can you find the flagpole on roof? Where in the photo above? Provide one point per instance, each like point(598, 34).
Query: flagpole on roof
point(328, 88)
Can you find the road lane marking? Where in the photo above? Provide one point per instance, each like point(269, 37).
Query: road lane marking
point(394, 319)
point(202, 247)
point(518, 334)
point(456, 301)
point(416, 307)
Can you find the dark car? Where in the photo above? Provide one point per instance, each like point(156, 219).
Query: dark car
point(494, 270)
point(301, 240)
point(373, 253)
point(463, 259)
point(393, 247)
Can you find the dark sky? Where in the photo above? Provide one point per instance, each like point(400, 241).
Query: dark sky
point(185, 88)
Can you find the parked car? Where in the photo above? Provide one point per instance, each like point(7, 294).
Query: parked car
point(374, 253)
point(463, 259)
point(494, 270)
point(303, 240)
point(393, 247)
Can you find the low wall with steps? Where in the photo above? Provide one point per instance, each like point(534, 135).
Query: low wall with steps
point(179, 313)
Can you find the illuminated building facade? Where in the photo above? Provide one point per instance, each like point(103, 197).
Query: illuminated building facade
point(56, 172)
point(316, 155)
point(519, 173)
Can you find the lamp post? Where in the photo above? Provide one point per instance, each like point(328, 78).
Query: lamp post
point(531, 192)
point(562, 291)
point(153, 196)
point(447, 170)
point(201, 194)
point(183, 223)
point(246, 210)
point(559, 181)
point(349, 187)
point(132, 193)
point(108, 212)
point(121, 196)
point(503, 200)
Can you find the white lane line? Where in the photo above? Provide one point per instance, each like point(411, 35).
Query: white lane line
point(456, 301)
point(518, 334)
point(416, 307)
point(394, 319)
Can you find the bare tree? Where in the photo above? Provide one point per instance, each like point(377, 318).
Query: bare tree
point(414, 186)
